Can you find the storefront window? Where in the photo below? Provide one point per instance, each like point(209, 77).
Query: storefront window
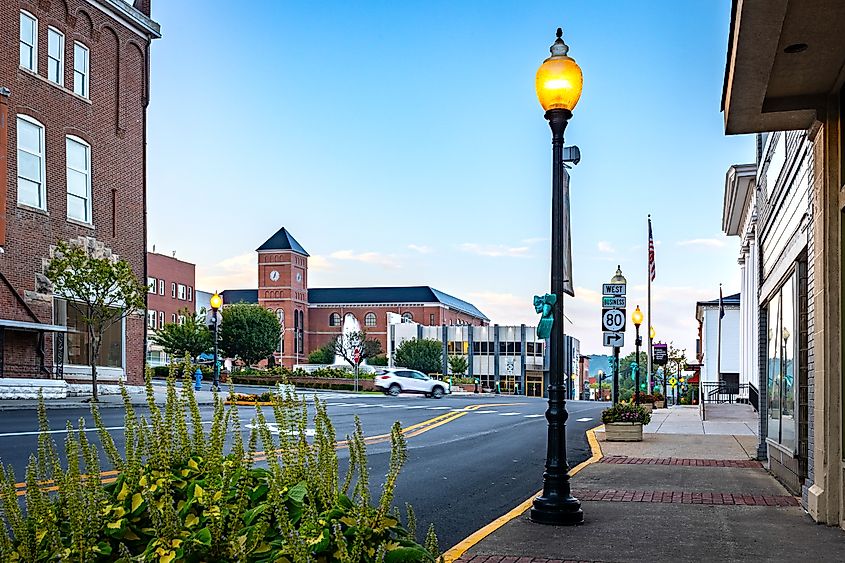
point(77, 348)
point(781, 368)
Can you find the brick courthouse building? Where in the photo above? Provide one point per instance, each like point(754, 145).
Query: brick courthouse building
point(311, 317)
point(74, 77)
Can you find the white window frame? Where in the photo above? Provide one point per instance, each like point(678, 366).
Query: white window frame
point(34, 47)
point(172, 317)
point(151, 285)
point(173, 290)
point(161, 287)
point(180, 319)
point(190, 293)
point(161, 319)
point(82, 78)
point(88, 197)
point(151, 319)
point(181, 292)
point(60, 77)
point(42, 196)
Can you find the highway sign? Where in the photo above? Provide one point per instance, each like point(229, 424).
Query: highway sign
point(613, 302)
point(672, 381)
point(613, 289)
point(613, 320)
point(613, 339)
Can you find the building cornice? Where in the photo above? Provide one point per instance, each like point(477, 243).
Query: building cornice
point(132, 18)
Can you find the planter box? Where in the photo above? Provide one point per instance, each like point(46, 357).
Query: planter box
point(623, 431)
point(649, 407)
point(659, 404)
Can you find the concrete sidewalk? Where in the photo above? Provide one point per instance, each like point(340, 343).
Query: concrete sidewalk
point(671, 497)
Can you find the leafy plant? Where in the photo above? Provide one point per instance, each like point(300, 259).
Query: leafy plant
point(458, 365)
point(99, 286)
point(322, 355)
point(421, 355)
point(191, 337)
point(380, 360)
point(179, 495)
point(249, 332)
point(625, 412)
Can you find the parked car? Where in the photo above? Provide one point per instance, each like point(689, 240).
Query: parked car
point(393, 381)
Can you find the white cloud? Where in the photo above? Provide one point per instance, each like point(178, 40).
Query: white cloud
point(534, 240)
point(317, 263)
point(367, 258)
point(703, 242)
point(606, 247)
point(235, 272)
point(494, 250)
point(421, 248)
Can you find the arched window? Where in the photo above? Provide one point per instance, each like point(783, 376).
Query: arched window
point(370, 319)
point(407, 317)
point(334, 319)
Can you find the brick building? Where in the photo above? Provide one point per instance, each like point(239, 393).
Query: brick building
point(74, 77)
point(170, 290)
point(312, 317)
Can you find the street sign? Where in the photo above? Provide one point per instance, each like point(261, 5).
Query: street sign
point(660, 355)
point(672, 381)
point(613, 339)
point(613, 289)
point(613, 302)
point(613, 320)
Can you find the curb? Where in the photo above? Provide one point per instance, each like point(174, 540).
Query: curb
point(464, 545)
point(80, 405)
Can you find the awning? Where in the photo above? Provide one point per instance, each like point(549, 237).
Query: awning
point(33, 327)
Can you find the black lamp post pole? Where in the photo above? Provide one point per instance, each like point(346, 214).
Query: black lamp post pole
point(637, 343)
point(556, 505)
point(216, 372)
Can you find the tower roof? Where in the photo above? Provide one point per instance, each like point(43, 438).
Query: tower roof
point(282, 240)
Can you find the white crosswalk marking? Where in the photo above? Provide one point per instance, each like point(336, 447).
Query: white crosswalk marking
point(417, 407)
point(483, 412)
point(533, 415)
point(393, 406)
point(438, 408)
point(584, 419)
point(509, 413)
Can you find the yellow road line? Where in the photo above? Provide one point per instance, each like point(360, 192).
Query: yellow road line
point(461, 547)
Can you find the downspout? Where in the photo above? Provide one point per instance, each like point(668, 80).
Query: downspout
point(144, 198)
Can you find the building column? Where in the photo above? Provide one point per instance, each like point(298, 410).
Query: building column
point(496, 385)
point(522, 359)
point(469, 351)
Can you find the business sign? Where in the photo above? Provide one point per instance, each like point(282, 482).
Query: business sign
point(659, 355)
point(615, 289)
point(613, 302)
point(613, 320)
point(613, 339)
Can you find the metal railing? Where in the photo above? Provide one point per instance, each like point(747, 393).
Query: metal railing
point(754, 397)
point(723, 392)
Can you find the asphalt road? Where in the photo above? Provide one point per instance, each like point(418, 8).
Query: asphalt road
point(461, 474)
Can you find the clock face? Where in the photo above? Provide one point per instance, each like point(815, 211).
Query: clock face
point(299, 276)
point(274, 275)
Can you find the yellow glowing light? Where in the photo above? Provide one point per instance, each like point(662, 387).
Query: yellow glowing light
point(652, 333)
point(216, 301)
point(637, 316)
point(559, 80)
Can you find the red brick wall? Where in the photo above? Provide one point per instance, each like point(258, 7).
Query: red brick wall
point(112, 122)
point(288, 293)
point(171, 271)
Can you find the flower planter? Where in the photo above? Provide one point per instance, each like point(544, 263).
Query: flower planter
point(623, 431)
point(659, 404)
point(647, 406)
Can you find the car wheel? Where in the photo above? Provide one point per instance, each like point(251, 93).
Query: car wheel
point(427, 395)
point(437, 392)
point(394, 390)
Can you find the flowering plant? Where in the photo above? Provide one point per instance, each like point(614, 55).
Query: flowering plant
point(625, 412)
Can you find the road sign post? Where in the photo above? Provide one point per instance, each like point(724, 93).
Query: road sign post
point(613, 304)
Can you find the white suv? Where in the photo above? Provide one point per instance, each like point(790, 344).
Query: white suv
point(393, 381)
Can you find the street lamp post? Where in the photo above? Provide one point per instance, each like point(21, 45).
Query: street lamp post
point(216, 302)
point(600, 378)
point(558, 82)
point(637, 318)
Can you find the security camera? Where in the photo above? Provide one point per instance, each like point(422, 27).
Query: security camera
point(572, 154)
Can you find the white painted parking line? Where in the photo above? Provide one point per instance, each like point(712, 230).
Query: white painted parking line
point(337, 404)
point(509, 413)
point(533, 415)
point(584, 420)
point(438, 408)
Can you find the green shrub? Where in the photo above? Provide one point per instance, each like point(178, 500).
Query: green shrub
point(380, 360)
point(625, 412)
point(181, 496)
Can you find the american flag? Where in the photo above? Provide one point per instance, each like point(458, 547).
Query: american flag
point(651, 270)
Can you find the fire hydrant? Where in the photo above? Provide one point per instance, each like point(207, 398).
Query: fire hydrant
point(198, 379)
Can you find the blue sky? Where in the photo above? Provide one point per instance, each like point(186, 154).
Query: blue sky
point(402, 143)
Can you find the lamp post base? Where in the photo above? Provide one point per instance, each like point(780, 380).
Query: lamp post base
point(557, 511)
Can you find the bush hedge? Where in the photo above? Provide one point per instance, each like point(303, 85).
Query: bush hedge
point(181, 495)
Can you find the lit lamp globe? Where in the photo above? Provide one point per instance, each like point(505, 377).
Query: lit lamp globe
point(216, 301)
point(637, 316)
point(559, 79)
point(651, 333)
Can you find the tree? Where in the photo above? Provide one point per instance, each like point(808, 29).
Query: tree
point(422, 355)
point(322, 355)
point(458, 365)
point(191, 337)
point(346, 345)
point(249, 332)
point(100, 286)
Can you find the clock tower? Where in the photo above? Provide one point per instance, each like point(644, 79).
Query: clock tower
point(283, 289)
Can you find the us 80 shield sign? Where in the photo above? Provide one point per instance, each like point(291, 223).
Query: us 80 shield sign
point(613, 320)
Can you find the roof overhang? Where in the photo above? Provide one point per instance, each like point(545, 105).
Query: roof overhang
point(768, 85)
point(30, 327)
point(740, 181)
